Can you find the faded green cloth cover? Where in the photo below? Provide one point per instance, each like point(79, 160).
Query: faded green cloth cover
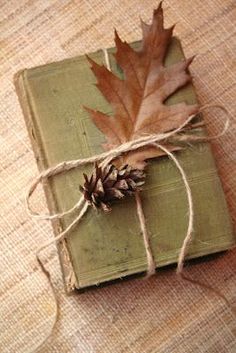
point(105, 247)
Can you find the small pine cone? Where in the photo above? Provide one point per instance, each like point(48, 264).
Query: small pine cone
point(108, 184)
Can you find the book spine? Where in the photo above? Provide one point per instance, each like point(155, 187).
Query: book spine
point(69, 278)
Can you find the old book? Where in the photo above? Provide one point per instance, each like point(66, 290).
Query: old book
point(106, 247)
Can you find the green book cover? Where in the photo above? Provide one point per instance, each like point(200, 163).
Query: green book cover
point(106, 247)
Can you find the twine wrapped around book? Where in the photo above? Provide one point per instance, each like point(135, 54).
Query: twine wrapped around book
point(103, 159)
point(106, 158)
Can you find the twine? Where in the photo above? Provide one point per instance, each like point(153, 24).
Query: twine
point(105, 159)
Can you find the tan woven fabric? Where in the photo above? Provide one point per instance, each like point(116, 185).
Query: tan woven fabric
point(162, 314)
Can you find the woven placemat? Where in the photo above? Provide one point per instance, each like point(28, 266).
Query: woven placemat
point(163, 314)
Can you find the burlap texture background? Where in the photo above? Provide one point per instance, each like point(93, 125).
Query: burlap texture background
point(163, 314)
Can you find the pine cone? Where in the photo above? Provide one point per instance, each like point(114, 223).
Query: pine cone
point(109, 184)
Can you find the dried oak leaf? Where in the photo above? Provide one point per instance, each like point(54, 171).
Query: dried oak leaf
point(138, 99)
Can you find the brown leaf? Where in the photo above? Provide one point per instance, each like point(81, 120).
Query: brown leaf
point(138, 100)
